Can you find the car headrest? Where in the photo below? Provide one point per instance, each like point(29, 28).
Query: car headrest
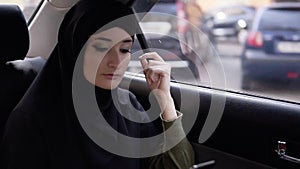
point(14, 34)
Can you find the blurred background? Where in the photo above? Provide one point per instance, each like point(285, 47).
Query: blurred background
point(210, 36)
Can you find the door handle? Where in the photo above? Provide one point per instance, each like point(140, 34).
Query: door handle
point(281, 152)
point(203, 164)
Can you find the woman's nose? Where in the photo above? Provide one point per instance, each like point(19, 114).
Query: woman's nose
point(114, 57)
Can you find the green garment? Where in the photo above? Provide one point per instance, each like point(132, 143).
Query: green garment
point(180, 156)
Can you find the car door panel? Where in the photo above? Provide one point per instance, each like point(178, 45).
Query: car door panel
point(250, 126)
point(223, 160)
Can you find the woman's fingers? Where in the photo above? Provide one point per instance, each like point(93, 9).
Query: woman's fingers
point(160, 70)
point(156, 70)
point(154, 75)
point(150, 56)
point(153, 61)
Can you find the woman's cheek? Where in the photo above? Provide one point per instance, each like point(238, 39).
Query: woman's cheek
point(91, 66)
point(125, 62)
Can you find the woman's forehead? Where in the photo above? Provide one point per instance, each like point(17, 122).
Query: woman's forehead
point(113, 35)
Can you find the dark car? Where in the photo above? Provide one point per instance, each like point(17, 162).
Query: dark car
point(272, 49)
point(227, 21)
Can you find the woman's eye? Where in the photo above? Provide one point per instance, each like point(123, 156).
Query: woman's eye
point(125, 50)
point(100, 48)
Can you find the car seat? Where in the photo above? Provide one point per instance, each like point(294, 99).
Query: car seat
point(16, 72)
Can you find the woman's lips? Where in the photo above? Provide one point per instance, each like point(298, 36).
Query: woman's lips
point(111, 76)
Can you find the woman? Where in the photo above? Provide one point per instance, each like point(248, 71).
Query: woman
point(57, 125)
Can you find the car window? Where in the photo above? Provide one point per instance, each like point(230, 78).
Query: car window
point(27, 6)
point(210, 48)
point(285, 19)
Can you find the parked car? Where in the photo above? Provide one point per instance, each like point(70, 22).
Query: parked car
point(272, 49)
point(227, 128)
point(227, 21)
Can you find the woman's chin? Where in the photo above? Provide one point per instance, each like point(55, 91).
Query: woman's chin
point(108, 84)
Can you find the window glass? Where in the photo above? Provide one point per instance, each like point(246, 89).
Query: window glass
point(284, 19)
point(209, 43)
point(27, 6)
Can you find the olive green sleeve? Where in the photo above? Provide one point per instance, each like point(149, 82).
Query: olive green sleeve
point(181, 156)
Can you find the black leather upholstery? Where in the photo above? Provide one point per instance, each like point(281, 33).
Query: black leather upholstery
point(14, 42)
point(16, 73)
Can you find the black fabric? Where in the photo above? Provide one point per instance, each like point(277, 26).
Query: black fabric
point(16, 74)
point(16, 78)
point(14, 43)
point(43, 130)
point(83, 20)
point(99, 158)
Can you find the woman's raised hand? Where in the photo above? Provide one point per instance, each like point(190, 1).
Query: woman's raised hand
point(158, 75)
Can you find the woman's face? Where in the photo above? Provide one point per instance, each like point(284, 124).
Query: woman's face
point(106, 57)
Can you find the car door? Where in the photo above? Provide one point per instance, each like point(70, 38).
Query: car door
point(233, 127)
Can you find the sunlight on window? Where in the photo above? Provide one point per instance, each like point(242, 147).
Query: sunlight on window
point(27, 6)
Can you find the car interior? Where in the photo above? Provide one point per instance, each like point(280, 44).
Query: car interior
point(17, 72)
point(227, 129)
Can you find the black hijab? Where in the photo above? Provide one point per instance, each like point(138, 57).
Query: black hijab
point(84, 19)
point(45, 120)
